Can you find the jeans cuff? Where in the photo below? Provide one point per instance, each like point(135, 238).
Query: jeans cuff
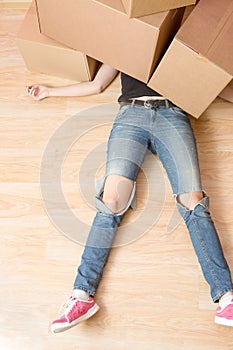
point(85, 289)
point(221, 293)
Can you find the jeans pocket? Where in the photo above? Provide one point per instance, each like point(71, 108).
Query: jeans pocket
point(178, 111)
point(122, 112)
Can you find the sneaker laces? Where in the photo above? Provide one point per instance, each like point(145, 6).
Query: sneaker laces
point(67, 306)
point(70, 303)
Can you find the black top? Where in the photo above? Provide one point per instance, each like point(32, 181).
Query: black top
point(131, 88)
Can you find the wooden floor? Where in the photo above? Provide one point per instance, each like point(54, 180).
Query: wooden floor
point(152, 295)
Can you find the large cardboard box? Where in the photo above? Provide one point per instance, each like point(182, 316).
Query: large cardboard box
point(138, 8)
point(42, 54)
point(198, 63)
point(103, 30)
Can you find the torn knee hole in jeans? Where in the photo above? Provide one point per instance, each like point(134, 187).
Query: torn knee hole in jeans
point(108, 207)
point(190, 200)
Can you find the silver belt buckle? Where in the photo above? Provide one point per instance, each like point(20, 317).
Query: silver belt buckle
point(147, 104)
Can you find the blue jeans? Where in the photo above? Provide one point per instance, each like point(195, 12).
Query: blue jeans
point(165, 131)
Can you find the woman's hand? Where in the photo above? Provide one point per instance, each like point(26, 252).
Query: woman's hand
point(37, 92)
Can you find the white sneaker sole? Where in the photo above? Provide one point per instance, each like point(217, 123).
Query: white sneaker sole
point(60, 327)
point(223, 321)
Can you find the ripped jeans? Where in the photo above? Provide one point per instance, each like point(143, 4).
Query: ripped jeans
point(167, 132)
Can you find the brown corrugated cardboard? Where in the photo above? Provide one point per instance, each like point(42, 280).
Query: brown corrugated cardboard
point(208, 30)
point(138, 8)
point(103, 30)
point(198, 64)
point(42, 54)
point(187, 13)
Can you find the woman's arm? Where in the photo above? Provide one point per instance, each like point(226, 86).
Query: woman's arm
point(103, 78)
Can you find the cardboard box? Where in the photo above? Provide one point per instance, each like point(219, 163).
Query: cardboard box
point(138, 8)
point(198, 63)
point(42, 54)
point(103, 30)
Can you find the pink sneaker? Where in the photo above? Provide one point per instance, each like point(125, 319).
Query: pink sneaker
point(76, 310)
point(224, 314)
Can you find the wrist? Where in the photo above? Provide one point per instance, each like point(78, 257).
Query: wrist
point(50, 92)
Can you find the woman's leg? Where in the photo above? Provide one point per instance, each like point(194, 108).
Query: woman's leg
point(175, 145)
point(127, 147)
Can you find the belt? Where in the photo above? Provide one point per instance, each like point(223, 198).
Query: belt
point(149, 104)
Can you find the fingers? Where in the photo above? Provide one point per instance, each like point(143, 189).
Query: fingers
point(37, 92)
point(33, 91)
